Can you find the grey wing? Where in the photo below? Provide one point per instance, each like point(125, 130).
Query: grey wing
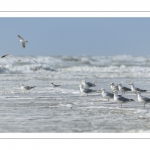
point(140, 90)
point(90, 84)
point(123, 99)
point(23, 45)
point(29, 87)
point(126, 89)
point(88, 90)
point(146, 99)
point(20, 37)
point(109, 94)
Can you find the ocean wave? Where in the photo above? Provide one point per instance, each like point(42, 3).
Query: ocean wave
point(102, 66)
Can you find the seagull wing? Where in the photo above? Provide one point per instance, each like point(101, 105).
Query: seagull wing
point(20, 37)
point(23, 44)
point(10, 55)
point(88, 90)
point(90, 84)
point(146, 99)
point(140, 90)
point(126, 89)
point(32, 60)
point(4, 55)
point(29, 87)
point(109, 94)
point(123, 99)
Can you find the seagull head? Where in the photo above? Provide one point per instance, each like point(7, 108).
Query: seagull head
point(102, 90)
point(83, 81)
point(138, 93)
point(120, 84)
point(111, 84)
point(80, 86)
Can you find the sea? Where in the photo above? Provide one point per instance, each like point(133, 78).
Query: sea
point(64, 109)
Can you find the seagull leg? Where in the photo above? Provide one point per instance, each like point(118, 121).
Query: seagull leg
point(144, 105)
point(121, 105)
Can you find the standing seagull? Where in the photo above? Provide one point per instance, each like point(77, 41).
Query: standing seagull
point(113, 87)
point(135, 90)
point(87, 84)
point(143, 99)
point(23, 87)
point(23, 41)
point(120, 99)
point(123, 89)
point(85, 91)
point(107, 95)
point(54, 85)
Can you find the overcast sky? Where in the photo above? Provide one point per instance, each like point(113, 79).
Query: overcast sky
point(76, 36)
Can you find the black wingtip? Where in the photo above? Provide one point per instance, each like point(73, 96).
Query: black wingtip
point(132, 100)
point(4, 56)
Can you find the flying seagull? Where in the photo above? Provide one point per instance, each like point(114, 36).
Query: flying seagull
point(54, 85)
point(87, 84)
point(135, 90)
point(17, 57)
point(143, 99)
point(23, 41)
point(10, 55)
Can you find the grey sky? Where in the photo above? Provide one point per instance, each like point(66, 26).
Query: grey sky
point(76, 36)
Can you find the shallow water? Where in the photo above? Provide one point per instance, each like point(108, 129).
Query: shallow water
point(64, 109)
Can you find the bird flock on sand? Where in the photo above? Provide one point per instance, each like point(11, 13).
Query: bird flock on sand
point(120, 99)
point(85, 87)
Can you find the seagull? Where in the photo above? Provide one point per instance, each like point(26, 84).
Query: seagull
point(10, 55)
point(135, 90)
point(143, 99)
point(113, 87)
point(123, 89)
point(120, 99)
point(54, 85)
point(23, 41)
point(87, 84)
point(85, 91)
point(107, 95)
point(23, 87)
point(16, 57)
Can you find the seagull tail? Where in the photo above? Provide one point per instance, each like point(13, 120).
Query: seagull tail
point(33, 86)
point(131, 100)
